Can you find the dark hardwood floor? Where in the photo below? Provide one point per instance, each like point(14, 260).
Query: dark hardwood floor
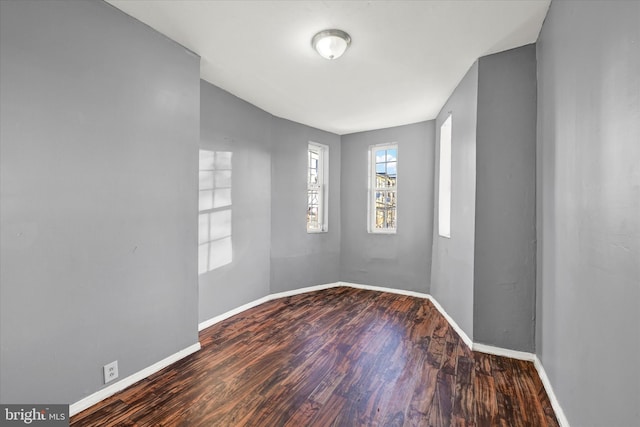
point(337, 357)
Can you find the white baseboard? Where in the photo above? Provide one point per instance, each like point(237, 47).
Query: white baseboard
point(237, 310)
point(384, 289)
point(247, 306)
point(210, 322)
point(465, 338)
point(100, 395)
point(562, 418)
point(303, 290)
point(505, 352)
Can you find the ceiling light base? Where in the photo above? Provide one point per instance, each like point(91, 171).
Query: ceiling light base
point(331, 44)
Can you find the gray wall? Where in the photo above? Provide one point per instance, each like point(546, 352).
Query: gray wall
point(230, 124)
point(453, 258)
point(504, 265)
point(400, 260)
point(588, 310)
point(272, 251)
point(298, 258)
point(98, 152)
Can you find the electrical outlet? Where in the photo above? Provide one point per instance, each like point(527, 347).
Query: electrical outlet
point(110, 371)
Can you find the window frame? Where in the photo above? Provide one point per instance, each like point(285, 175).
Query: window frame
point(373, 189)
point(322, 186)
point(445, 177)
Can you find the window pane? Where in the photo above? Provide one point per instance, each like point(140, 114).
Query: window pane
point(391, 218)
point(312, 197)
point(313, 176)
point(379, 217)
point(312, 218)
point(444, 182)
point(392, 169)
point(316, 185)
point(382, 196)
point(392, 155)
point(314, 164)
point(313, 205)
point(385, 181)
point(391, 198)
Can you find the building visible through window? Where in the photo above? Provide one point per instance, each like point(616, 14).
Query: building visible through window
point(317, 178)
point(383, 204)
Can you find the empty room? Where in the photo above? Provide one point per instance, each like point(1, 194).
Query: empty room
point(320, 213)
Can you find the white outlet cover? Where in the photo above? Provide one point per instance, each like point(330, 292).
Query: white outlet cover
point(110, 371)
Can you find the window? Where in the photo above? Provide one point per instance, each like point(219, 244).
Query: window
point(444, 182)
point(383, 176)
point(214, 218)
point(317, 180)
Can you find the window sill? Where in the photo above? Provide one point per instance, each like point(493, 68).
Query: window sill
point(383, 232)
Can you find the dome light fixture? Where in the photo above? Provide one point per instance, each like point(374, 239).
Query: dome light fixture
point(331, 44)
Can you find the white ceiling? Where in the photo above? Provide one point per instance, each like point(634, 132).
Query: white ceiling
point(405, 59)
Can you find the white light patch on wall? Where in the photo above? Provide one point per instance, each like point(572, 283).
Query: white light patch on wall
point(215, 247)
point(444, 181)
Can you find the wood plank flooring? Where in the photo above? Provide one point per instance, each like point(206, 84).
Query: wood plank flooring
point(337, 357)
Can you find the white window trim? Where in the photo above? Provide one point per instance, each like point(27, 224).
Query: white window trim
point(371, 200)
point(323, 186)
point(444, 179)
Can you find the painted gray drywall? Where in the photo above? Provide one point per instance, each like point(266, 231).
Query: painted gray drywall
point(272, 252)
point(504, 264)
point(300, 259)
point(453, 258)
point(400, 260)
point(588, 312)
point(230, 124)
point(98, 152)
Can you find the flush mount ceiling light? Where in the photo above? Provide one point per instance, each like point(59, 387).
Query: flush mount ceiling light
point(331, 44)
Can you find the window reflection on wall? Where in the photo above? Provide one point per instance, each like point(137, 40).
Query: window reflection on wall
point(214, 220)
